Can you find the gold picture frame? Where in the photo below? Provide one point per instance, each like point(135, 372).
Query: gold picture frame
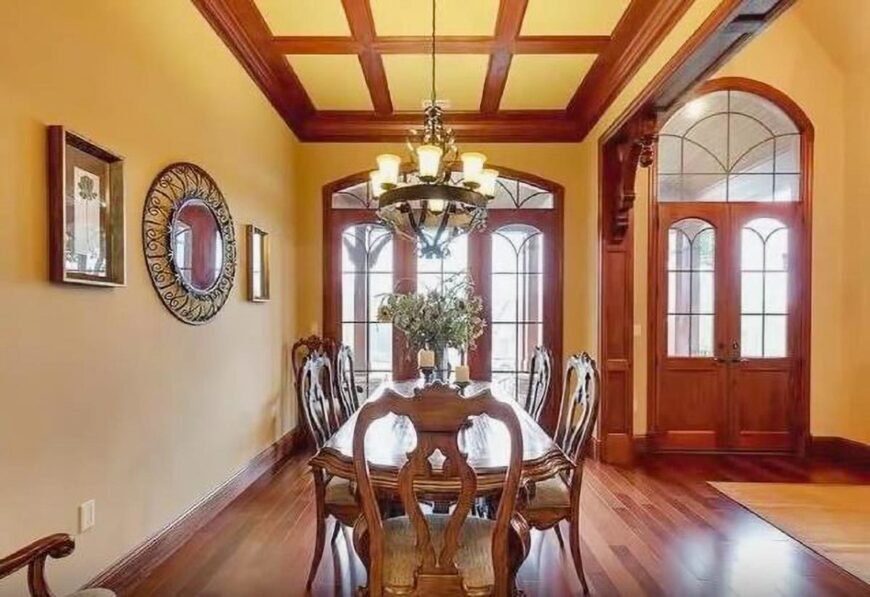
point(86, 211)
point(259, 290)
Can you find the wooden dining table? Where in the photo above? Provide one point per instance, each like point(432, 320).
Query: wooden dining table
point(485, 440)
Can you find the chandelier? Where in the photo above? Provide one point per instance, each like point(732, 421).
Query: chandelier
point(428, 206)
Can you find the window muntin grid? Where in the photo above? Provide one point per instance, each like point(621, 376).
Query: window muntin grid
point(729, 146)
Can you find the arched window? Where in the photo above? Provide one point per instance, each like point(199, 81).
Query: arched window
point(508, 262)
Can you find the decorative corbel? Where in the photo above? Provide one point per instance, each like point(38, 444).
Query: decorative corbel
point(635, 149)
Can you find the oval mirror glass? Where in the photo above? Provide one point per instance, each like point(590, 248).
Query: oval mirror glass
point(197, 245)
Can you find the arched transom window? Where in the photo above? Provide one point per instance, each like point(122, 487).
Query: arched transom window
point(729, 146)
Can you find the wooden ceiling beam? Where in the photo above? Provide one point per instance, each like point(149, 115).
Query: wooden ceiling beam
point(560, 44)
point(454, 44)
point(362, 27)
point(303, 44)
point(638, 33)
point(242, 28)
point(505, 126)
point(507, 29)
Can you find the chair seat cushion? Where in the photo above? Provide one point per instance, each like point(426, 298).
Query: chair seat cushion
point(552, 493)
point(474, 557)
point(340, 492)
point(94, 593)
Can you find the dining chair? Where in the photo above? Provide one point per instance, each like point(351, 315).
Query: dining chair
point(34, 556)
point(334, 496)
point(345, 378)
point(545, 504)
point(540, 374)
point(439, 553)
point(305, 346)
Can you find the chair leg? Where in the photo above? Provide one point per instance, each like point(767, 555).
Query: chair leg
point(574, 540)
point(320, 498)
point(335, 531)
point(559, 536)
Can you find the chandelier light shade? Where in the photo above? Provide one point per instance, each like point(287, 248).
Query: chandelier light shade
point(427, 205)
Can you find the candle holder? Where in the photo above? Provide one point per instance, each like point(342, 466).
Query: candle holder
point(428, 374)
point(462, 385)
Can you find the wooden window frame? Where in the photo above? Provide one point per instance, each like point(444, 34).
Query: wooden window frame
point(549, 221)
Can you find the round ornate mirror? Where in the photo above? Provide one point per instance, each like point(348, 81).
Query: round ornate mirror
point(189, 242)
point(197, 245)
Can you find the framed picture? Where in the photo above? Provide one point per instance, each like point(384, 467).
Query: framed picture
point(86, 211)
point(258, 264)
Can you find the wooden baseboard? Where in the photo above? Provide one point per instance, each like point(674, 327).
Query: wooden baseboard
point(641, 444)
point(144, 558)
point(840, 448)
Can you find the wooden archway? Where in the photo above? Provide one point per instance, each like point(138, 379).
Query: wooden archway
point(621, 153)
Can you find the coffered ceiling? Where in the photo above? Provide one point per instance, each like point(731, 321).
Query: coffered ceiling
point(358, 70)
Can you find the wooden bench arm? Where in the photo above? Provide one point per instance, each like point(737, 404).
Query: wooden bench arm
point(33, 556)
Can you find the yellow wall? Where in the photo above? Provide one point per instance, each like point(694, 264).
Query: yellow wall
point(103, 394)
point(841, 29)
point(321, 163)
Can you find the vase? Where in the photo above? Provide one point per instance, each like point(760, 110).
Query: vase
point(442, 362)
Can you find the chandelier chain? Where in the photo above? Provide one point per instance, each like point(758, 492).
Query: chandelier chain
point(433, 53)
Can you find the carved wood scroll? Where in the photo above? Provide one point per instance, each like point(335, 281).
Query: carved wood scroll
point(623, 156)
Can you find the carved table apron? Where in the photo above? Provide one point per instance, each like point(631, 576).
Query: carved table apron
point(485, 441)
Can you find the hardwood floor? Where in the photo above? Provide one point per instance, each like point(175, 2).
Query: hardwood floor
point(657, 529)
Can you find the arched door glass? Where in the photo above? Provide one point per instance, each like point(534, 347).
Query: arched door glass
point(691, 288)
point(764, 288)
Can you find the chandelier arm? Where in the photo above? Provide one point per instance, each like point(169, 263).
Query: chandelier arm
point(445, 217)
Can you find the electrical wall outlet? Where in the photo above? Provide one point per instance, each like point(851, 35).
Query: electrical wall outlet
point(87, 515)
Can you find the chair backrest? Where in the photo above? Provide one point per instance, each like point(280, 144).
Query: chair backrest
point(345, 379)
point(540, 374)
point(305, 346)
point(438, 413)
point(579, 408)
point(316, 393)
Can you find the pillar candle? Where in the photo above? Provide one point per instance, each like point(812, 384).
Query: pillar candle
point(462, 373)
point(425, 358)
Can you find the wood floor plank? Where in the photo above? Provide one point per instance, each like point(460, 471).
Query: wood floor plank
point(656, 529)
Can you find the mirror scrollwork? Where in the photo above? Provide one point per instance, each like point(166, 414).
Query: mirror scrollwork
point(189, 242)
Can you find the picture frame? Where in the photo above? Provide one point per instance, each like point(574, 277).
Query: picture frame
point(258, 265)
point(87, 241)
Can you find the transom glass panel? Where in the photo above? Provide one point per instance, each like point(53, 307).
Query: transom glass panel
point(729, 146)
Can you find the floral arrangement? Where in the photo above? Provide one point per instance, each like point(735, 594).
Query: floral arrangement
point(437, 319)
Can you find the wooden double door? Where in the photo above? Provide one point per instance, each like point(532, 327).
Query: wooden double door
point(728, 341)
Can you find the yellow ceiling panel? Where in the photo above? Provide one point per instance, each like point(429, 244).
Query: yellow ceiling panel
point(304, 17)
point(455, 17)
point(544, 81)
point(460, 80)
point(333, 82)
point(572, 17)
